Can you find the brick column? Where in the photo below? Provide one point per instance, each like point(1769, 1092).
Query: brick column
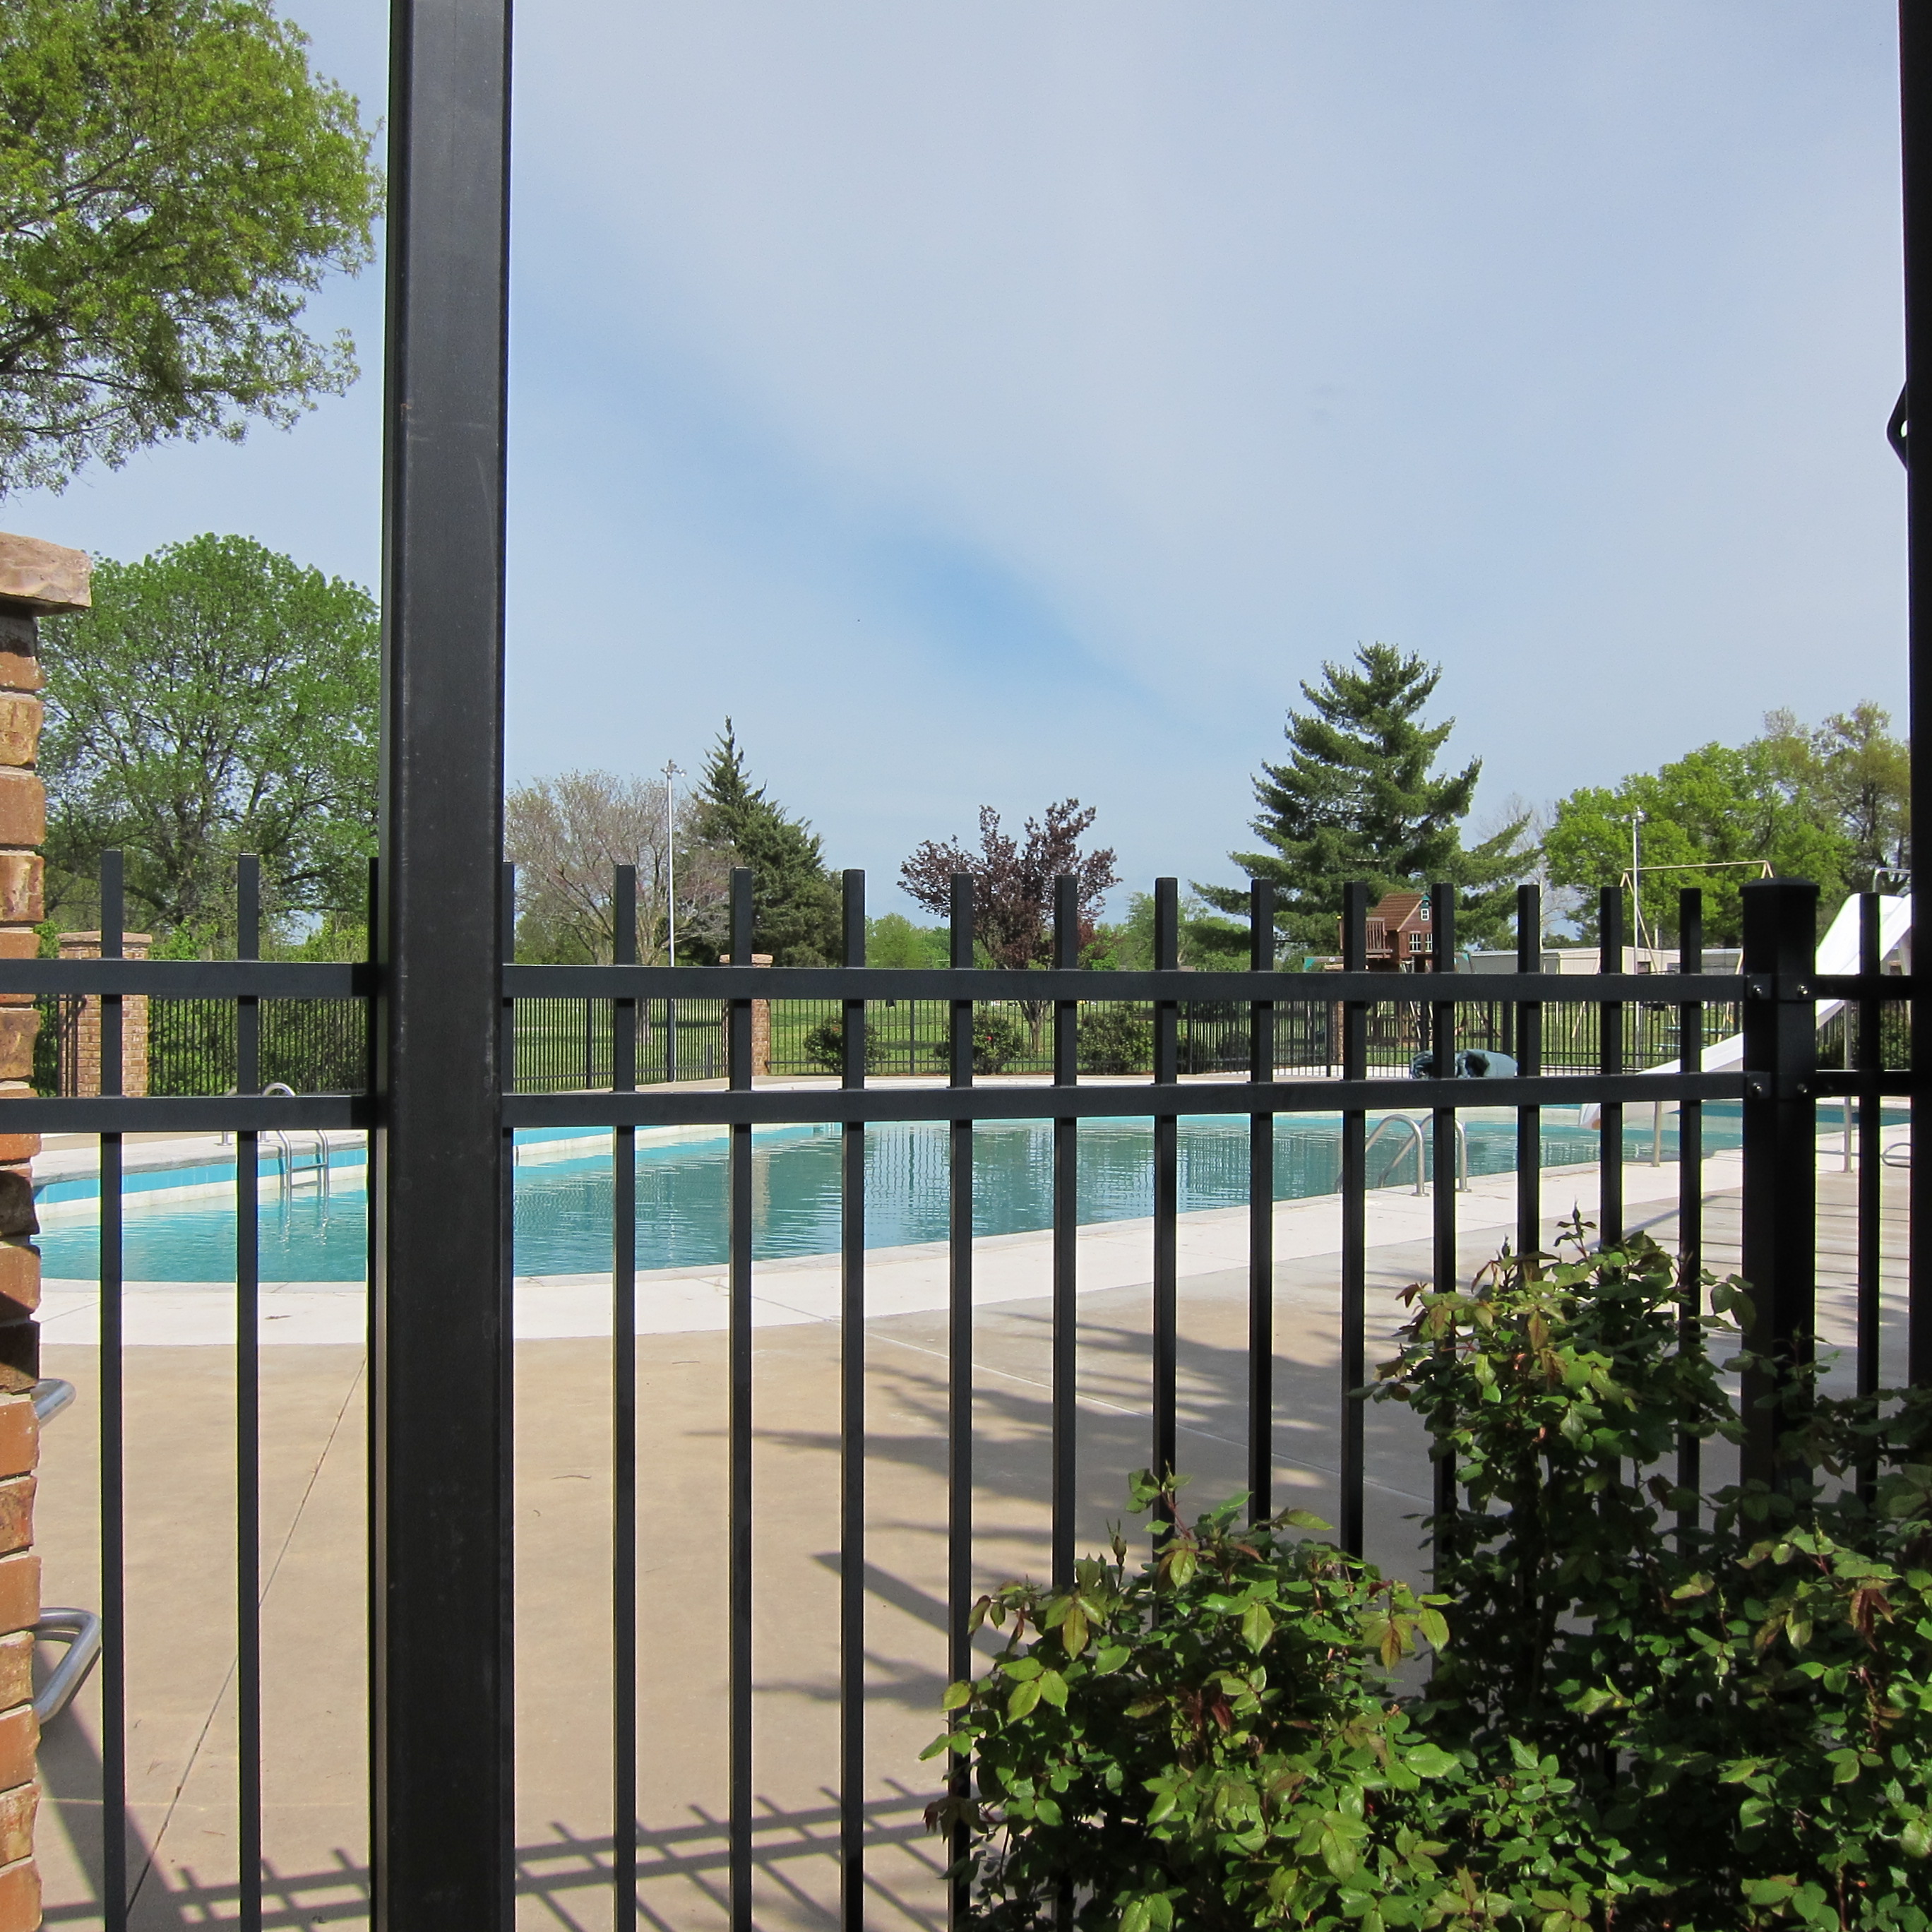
point(80, 1051)
point(36, 579)
point(761, 1019)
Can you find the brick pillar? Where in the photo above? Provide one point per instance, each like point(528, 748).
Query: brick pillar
point(36, 579)
point(80, 1051)
point(761, 1019)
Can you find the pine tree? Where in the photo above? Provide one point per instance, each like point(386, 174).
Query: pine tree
point(796, 901)
point(1357, 798)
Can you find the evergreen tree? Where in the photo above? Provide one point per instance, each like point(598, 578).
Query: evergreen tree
point(1358, 798)
point(796, 900)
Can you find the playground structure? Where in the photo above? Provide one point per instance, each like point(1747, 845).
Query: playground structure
point(1838, 956)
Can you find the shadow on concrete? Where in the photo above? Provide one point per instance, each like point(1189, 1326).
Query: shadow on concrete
point(569, 1875)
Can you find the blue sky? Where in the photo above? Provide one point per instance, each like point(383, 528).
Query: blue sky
point(985, 403)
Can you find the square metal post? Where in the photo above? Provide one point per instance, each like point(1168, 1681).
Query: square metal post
point(1915, 51)
point(1780, 1154)
point(443, 1770)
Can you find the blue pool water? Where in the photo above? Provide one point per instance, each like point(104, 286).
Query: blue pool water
point(563, 1207)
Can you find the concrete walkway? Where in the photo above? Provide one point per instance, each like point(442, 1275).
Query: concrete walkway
point(180, 1582)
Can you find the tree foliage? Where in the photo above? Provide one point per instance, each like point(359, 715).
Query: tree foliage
point(797, 904)
point(892, 940)
point(1359, 798)
point(1206, 942)
point(1829, 804)
point(1013, 881)
point(174, 182)
point(566, 835)
point(219, 698)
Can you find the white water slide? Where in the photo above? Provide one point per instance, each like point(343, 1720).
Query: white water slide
point(1837, 953)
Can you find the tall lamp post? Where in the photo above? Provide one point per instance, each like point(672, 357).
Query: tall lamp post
point(1636, 876)
point(673, 772)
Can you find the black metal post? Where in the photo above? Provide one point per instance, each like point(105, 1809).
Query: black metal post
point(1261, 1215)
point(1610, 1060)
point(959, 1365)
point(1781, 1156)
point(1442, 1035)
point(1868, 1061)
point(852, 1439)
point(739, 1035)
point(1354, 1181)
point(1066, 1236)
point(114, 1899)
point(1166, 1186)
point(1690, 1178)
point(443, 1747)
point(1527, 1041)
point(248, 1412)
point(624, 1423)
point(1914, 22)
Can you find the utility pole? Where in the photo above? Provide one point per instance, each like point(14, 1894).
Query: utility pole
point(1636, 876)
point(673, 772)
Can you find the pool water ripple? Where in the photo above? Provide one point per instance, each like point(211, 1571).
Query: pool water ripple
point(563, 1207)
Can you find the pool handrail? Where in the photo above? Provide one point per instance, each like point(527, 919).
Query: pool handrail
point(80, 1631)
point(1414, 1123)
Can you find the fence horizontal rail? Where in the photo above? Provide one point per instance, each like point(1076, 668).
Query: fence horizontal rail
point(193, 979)
point(304, 979)
point(199, 1114)
point(974, 982)
point(1093, 1099)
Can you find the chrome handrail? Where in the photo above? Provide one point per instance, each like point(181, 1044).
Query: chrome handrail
point(1381, 1127)
point(80, 1630)
point(1414, 1126)
point(51, 1395)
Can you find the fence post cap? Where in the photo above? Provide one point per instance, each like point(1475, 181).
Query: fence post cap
point(87, 945)
point(42, 578)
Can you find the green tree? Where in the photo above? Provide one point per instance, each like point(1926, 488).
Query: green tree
point(1207, 943)
point(218, 699)
point(797, 903)
point(174, 181)
point(1853, 767)
point(1359, 798)
point(893, 939)
point(1712, 819)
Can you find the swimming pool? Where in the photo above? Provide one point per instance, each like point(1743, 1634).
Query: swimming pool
point(563, 1205)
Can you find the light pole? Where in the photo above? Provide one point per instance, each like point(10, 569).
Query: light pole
point(1636, 874)
point(672, 773)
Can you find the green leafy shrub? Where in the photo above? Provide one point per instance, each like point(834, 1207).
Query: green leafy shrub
point(1116, 1039)
point(824, 1045)
point(1644, 1713)
point(998, 1039)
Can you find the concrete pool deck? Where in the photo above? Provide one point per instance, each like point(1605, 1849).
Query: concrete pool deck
point(179, 1408)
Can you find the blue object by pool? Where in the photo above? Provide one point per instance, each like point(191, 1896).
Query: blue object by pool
point(563, 1207)
point(1472, 1062)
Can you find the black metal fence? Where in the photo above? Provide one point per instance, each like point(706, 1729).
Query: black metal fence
point(566, 1045)
point(442, 1719)
point(587, 1042)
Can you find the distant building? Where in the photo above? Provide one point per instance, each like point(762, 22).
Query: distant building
point(1400, 937)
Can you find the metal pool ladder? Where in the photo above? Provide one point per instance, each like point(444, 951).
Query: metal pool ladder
point(321, 1147)
point(1414, 1126)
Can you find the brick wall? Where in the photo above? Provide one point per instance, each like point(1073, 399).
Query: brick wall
point(761, 1019)
point(35, 578)
point(80, 1051)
